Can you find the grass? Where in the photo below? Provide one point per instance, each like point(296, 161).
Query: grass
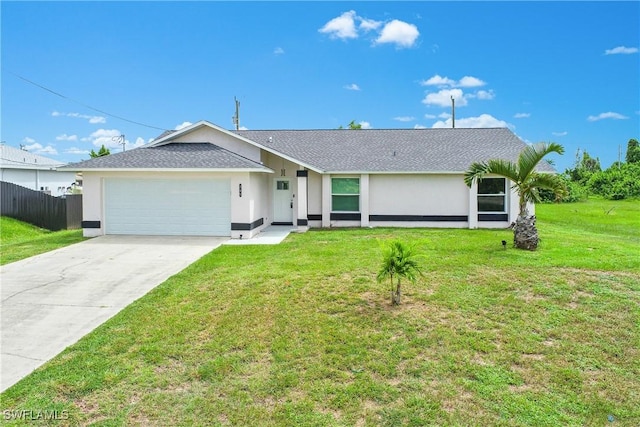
point(302, 334)
point(19, 240)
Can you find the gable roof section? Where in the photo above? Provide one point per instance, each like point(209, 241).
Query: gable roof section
point(15, 158)
point(168, 136)
point(198, 156)
point(392, 150)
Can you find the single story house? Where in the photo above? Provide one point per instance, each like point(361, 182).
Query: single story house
point(206, 180)
point(33, 171)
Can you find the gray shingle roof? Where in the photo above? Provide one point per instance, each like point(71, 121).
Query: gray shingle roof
point(200, 155)
point(392, 150)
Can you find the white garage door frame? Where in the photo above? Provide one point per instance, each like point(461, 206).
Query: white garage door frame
point(167, 207)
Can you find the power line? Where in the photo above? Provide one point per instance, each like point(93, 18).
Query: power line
point(83, 104)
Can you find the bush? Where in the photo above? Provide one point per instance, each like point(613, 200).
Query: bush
point(620, 181)
point(575, 192)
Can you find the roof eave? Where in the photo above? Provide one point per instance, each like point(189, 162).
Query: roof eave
point(396, 172)
point(189, 170)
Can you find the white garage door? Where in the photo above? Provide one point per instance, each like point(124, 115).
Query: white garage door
point(167, 207)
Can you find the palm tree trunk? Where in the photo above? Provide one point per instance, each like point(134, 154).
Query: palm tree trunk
point(396, 295)
point(525, 233)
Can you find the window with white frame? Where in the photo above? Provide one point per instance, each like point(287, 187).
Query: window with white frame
point(492, 195)
point(345, 194)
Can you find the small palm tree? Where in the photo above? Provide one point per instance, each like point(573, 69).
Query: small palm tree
point(527, 181)
point(399, 261)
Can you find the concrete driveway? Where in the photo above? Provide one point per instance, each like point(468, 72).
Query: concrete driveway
point(52, 300)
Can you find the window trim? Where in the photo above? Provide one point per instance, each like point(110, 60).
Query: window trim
point(505, 208)
point(345, 194)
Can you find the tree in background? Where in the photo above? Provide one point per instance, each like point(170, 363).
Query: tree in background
point(103, 151)
point(527, 181)
point(585, 167)
point(633, 151)
point(353, 125)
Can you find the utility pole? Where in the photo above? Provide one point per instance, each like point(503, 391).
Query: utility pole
point(236, 117)
point(453, 112)
point(120, 139)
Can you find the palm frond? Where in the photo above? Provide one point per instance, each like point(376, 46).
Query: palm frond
point(543, 180)
point(476, 171)
point(399, 260)
point(503, 168)
point(531, 155)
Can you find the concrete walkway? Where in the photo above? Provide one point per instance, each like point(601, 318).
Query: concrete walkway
point(50, 301)
point(272, 235)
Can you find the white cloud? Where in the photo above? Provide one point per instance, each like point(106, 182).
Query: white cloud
point(36, 147)
point(444, 115)
point(483, 95)
point(482, 121)
point(33, 146)
point(369, 24)
point(139, 142)
point(278, 51)
point(28, 140)
point(365, 125)
point(438, 80)
point(106, 137)
point(183, 125)
point(244, 128)
point(350, 26)
point(342, 27)
point(429, 116)
point(565, 133)
point(91, 119)
point(522, 115)
point(607, 115)
point(352, 86)
point(621, 50)
point(443, 98)
point(468, 81)
point(400, 33)
point(76, 150)
point(404, 118)
point(419, 127)
point(110, 139)
point(48, 150)
point(65, 137)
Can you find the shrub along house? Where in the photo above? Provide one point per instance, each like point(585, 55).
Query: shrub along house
point(205, 180)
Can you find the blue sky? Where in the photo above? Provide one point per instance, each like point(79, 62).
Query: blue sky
point(567, 72)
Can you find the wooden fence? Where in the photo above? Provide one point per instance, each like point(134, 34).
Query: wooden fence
point(41, 209)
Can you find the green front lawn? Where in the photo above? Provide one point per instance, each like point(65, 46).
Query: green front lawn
point(19, 240)
point(302, 334)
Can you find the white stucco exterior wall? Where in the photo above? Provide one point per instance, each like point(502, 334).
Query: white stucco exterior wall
point(54, 182)
point(418, 195)
point(314, 196)
point(241, 207)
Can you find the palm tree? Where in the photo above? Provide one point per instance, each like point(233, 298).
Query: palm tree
point(399, 261)
point(527, 181)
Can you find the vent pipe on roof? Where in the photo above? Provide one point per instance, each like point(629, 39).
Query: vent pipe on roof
point(453, 112)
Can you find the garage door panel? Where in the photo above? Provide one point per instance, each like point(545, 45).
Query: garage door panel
point(168, 207)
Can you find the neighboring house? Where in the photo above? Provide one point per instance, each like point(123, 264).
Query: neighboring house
point(205, 180)
point(34, 171)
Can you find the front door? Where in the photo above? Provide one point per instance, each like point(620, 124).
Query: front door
point(282, 202)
